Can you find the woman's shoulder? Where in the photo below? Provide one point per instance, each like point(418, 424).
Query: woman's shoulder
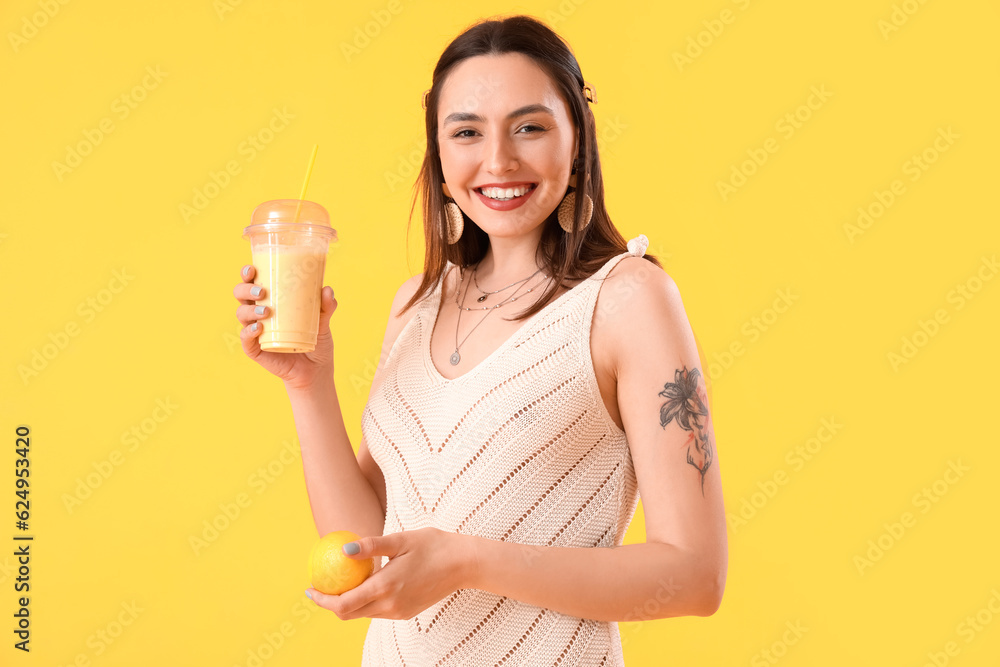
point(404, 293)
point(639, 273)
point(635, 295)
point(398, 319)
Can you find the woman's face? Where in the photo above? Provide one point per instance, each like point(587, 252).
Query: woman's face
point(503, 123)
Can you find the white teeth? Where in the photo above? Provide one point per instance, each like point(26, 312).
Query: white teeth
point(503, 194)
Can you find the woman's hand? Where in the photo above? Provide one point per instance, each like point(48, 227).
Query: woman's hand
point(298, 370)
point(424, 567)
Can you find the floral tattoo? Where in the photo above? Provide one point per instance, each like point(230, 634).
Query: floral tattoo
point(687, 404)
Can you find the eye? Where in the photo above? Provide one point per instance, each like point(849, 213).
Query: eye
point(529, 129)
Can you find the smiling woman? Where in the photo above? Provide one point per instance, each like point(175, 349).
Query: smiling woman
point(502, 458)
point(508, 97)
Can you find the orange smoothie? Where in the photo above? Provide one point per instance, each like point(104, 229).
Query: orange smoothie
point(292, 276)
point(289, 239)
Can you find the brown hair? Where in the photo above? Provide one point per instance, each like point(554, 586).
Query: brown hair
point(571, 256)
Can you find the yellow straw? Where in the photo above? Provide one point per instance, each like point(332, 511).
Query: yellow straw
point(305, 183)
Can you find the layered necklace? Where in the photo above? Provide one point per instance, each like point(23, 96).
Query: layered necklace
point(455, 356)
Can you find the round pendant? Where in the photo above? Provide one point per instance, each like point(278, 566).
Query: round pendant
point(455, 358)
point(482, 298)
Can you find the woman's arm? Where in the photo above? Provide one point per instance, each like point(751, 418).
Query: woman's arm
point(662, 396)
point(340, 496)
point(633, 582)
point(346, 492)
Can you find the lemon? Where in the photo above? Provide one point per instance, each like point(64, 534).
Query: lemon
point(330, 570)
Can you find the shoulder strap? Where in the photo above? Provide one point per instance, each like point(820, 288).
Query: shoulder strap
point(434, 298)
point(636, 248)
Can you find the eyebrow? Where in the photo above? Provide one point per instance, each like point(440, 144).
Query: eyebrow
point(464, 116)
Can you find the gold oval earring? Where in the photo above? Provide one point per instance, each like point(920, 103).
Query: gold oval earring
point(566, 207)
point(454, 219)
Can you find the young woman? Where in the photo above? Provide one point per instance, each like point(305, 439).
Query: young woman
point(503, 452)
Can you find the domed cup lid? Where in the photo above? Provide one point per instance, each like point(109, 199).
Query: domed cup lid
point(279, 215)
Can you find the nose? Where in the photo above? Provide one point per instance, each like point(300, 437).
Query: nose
point(499, 155)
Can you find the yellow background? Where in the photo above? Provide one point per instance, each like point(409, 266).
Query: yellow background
point(671, 132)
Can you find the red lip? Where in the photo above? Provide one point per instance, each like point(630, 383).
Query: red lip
point(508, 205)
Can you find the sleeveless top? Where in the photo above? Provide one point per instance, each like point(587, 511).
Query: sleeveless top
point(520, 448)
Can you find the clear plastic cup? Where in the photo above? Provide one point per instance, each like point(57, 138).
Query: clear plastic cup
point(290, 258)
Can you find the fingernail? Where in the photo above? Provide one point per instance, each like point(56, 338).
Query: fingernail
point(246, 271)
point(255, 290)
point(309, 595)
point(351, 548)
point(253, 327)
point(259, 310)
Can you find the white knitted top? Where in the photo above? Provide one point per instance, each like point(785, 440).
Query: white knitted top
point(521, 448)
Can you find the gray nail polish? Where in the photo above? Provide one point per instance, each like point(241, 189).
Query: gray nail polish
point(259, 310)
point(253, 327)
point(255, 290)
point(246, 271)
